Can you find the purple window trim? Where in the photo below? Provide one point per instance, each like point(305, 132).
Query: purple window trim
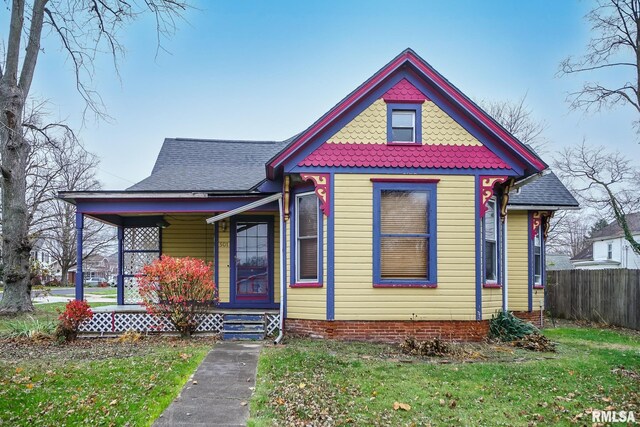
point(306, 285)
point(295, 192)
point(405, 285)
point(431, 189)
point(417, 124)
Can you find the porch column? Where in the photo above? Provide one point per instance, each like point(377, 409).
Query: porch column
point(79, 275)
point(120, 279)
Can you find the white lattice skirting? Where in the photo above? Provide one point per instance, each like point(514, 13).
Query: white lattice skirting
point(112, 322)
point(115, 323)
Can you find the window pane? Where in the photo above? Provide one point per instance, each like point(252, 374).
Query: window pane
point(404, 212)
point(404, 258)
point(402, 119)
point(308, 262)
point(490, 222)
point(402, 134)
point(308, 215)
point(538, 268)
point(490, 261)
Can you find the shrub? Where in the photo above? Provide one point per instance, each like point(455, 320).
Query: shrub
point(53, 283)
point(75, 312)
point(507, 327)
point(177, 289)
point(32, 328)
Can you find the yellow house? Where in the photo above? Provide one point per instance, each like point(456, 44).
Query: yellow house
point(405, 209)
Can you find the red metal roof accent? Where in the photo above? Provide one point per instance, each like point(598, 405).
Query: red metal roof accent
point(407, 156)
point(404, 91)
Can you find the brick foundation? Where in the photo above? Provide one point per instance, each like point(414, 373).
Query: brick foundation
point(388, 330)
point(397, 330)
point(529, 316)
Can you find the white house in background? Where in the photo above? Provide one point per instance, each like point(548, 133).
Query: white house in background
point(609, 249)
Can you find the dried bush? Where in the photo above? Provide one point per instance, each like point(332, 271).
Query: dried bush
point(431, 348)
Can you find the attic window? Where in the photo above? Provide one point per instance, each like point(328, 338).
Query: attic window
point(404, 123)
point(403, 126)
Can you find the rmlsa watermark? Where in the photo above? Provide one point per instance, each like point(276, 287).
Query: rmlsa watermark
point(612, 416)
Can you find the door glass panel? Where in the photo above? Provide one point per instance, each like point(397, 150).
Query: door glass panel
point(252, 261)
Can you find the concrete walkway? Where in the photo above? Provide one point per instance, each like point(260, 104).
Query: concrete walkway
point(219, 392)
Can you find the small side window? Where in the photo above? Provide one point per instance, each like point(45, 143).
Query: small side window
point(610, 251)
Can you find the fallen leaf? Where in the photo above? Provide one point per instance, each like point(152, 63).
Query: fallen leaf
point(113, 402)
point(453, 404)
point(302, 385)
point(30, 386)
point(195, 382)
point(403, 406)
point(280, 401)
point(184, 356)
point(243, 403)
point(18, 370)
point(442, 402)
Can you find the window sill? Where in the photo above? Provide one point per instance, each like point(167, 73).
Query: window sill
point(404, 143)
point(405, 285)
point(492, 285)
point(538, 286)
point(306, 285)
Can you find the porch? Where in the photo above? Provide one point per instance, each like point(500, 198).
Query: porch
point(239, 236)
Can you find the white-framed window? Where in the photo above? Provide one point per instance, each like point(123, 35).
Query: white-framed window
point(609, 250)
point(491, 243)
point(307, 238)
point(537, 258)
point(403, 125)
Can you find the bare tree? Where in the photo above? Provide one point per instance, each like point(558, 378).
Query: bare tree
point(568, 232)
point(84, 29)
point(76, 171)
point(517, 118)
point(614, 47)
point(604, 180)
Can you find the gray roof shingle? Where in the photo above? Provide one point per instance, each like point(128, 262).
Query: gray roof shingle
point(614, 229)
point(209, 165)
point(547, 190)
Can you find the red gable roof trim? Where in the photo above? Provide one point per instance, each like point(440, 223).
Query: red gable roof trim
point(407, 56)
point(415, 156)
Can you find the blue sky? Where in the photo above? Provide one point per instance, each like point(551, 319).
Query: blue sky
point(266, 70)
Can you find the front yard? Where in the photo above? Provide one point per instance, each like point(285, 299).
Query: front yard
point(329, 383)
point(92, 382)
point(310, 382)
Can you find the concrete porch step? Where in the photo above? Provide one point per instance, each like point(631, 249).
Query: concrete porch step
point(242, 336)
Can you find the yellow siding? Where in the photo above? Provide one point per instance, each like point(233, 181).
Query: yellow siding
point(370, 126)
point(518, 260)
point(438, 128)
point(190, 235)
point(356, 299)
point(491, 302)
point(308, 303)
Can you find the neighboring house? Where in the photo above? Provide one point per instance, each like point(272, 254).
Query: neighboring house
point(46, 265)
point(388, 216)
point(97, 266)
point(609, 249)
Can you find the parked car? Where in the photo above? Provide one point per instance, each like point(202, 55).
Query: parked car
point(94, 281)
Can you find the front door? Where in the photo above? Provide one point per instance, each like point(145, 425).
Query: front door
point(252, 252)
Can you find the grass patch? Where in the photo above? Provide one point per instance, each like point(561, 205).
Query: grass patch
point(321, 382)
point(123, 384)
point(42, 313)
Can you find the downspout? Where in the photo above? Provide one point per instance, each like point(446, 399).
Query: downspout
point(505, 285)
point(282, 268)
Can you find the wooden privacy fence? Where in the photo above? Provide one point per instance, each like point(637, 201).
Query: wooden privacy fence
point(609, 296)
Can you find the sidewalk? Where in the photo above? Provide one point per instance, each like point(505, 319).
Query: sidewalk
point(219, 392)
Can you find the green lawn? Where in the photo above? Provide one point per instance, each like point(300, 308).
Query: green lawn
point(92, 382)
point(323, 382)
